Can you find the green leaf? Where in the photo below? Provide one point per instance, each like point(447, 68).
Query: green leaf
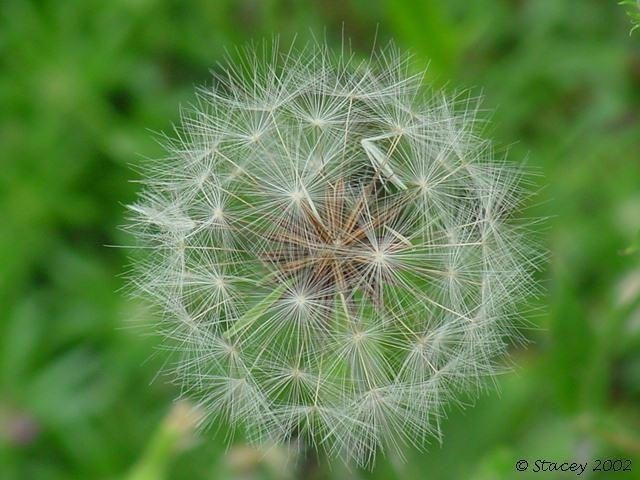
point(255, 312)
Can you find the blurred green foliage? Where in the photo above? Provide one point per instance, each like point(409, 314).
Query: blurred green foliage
point(83, 82)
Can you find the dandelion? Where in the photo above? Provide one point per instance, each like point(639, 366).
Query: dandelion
point(633, 12)
point(333, 252)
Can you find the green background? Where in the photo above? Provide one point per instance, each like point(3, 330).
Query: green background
point(82, 85)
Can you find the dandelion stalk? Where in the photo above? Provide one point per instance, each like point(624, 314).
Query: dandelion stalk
point(173, 435)
point(334, 250)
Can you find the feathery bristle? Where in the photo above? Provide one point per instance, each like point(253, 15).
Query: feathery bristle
point(334, 254)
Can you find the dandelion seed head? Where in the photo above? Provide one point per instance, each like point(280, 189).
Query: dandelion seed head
point(335, 250)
